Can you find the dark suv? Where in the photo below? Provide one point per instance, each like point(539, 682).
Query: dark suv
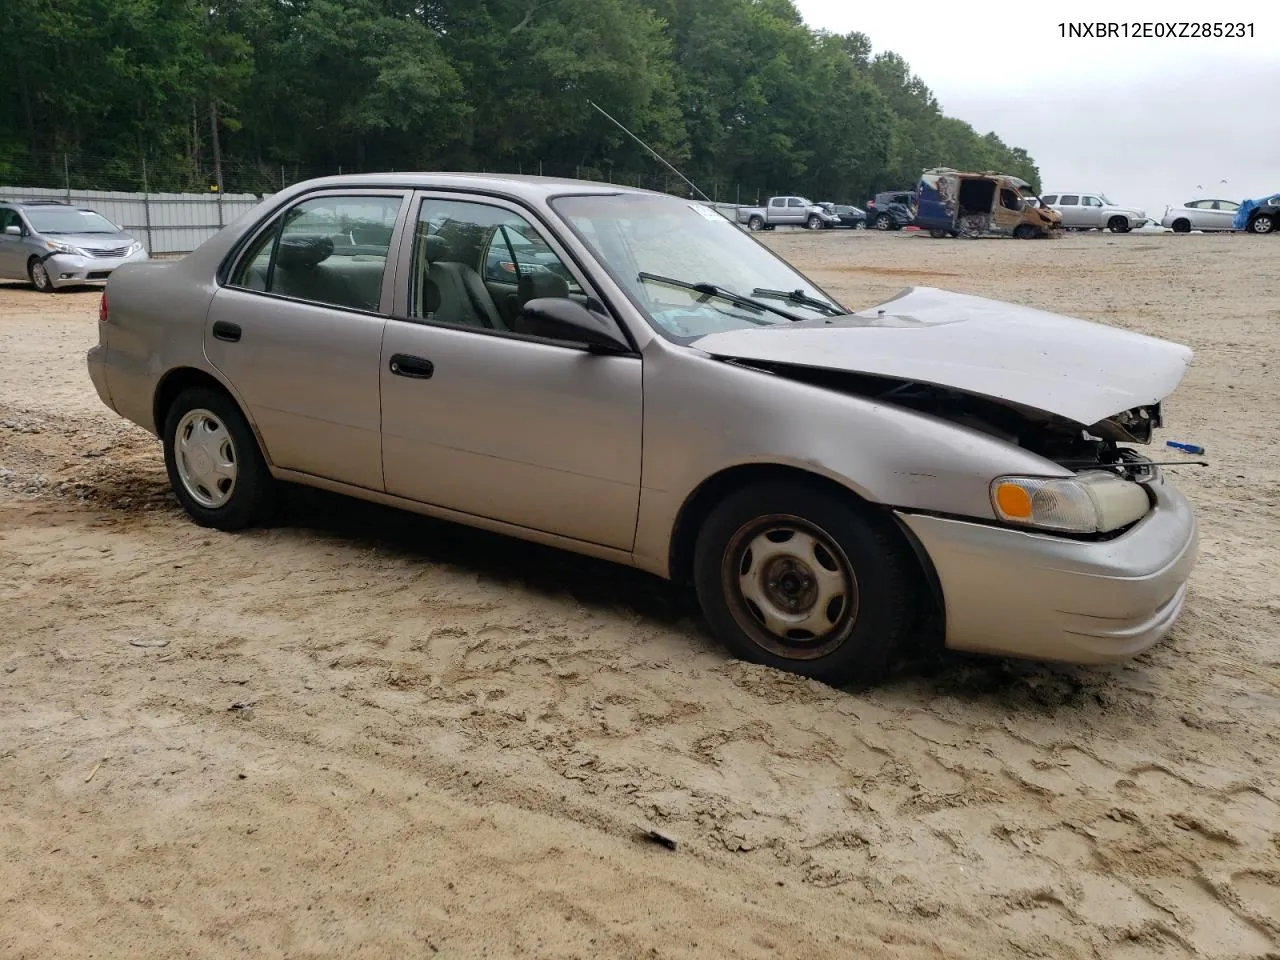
point(891, 210)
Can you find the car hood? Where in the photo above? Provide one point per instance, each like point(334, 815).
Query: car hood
point(1082, 371)
point(93, 241)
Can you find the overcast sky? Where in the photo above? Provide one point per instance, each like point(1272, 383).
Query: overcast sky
point(1147, 121)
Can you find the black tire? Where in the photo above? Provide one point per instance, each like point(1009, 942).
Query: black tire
point(249, 497)
point(814, 222)
point(884, 222)
point(1182, 225)
point(882, 581)
point(39, 276)
point(1262, 223)
point(754, 224)
point(1024, 231)
point(1118, 225)
point(940, 234)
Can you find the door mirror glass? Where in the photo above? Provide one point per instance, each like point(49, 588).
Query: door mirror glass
point(559, 318)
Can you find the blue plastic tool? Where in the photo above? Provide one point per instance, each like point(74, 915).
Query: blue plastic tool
point(1185, 447)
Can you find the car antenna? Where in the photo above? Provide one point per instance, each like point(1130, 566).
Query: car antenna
point(655, 153)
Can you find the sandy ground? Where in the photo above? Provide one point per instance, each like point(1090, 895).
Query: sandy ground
point(363, 734)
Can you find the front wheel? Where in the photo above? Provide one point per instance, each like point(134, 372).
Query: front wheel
point(39, 276)
point(1024, 231)
point(213, 461)
point(797, 577)
point(1182, 225)
point(814, 222)
point(1118, 225)
point(1262, 223)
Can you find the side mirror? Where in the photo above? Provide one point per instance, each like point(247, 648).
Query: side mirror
point(559, 318)
point(13, 230)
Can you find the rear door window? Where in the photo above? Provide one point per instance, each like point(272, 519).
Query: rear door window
point(330, 249)
point(1069, 200)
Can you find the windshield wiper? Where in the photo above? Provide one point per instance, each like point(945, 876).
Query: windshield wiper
point(799, 296)
point(711, 290)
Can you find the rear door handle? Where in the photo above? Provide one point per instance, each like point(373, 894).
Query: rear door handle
point(416, 368)
point(230, 332)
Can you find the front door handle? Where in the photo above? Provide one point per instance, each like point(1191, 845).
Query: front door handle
point(230, 332)
point(416, 368)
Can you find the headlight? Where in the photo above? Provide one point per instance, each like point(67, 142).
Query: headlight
point(1096, 502)
point(57, 247)
point(133, 248)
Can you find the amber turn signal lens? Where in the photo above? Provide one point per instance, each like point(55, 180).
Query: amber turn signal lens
point(1013, 501)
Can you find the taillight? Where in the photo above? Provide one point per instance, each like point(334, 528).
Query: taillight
point(102, 309)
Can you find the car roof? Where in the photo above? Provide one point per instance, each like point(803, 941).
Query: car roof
point(525, 186)
point(38, 203)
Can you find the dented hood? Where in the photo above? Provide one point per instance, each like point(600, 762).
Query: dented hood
point(1083, 371)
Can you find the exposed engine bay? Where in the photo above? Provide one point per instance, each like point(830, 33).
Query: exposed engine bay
point(1055, 438)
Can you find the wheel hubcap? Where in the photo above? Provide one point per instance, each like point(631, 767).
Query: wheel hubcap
point(1262, 225)
point(206, 458)
point(40, 275)
point(791, 586)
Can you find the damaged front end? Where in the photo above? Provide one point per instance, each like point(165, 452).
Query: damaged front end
point(1073, 446)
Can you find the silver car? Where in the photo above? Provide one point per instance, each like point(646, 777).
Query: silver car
point(57, 245)
point(1201, 215)
point(1094, 211)
point(674, 397)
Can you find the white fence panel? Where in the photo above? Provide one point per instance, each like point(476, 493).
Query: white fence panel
point(164, 222)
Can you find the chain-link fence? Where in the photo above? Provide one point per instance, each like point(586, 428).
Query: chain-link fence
point(174, 206)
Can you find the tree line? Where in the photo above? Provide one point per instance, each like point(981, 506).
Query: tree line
point(741, 95)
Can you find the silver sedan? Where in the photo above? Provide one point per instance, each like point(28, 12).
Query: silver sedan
point(635, 379)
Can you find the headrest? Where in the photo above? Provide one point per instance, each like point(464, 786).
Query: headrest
point(300, 251)
point(435, 247)
point(535, 286)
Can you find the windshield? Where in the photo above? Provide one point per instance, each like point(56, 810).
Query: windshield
point(644, 240)
point(1107, 200)
point(68, 220)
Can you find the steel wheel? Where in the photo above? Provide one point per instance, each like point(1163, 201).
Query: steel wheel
point(39, 276)
point(205, 457)
point(790, 586)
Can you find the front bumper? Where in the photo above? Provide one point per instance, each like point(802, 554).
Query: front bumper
point(68, 270)
point(1023, 594)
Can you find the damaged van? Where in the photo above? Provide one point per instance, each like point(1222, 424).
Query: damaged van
point(955, 204)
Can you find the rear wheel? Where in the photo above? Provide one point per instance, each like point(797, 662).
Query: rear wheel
point(797, 577)
point(1262, 223)
point(755, 223)
point(213, 461)
point(884, 222)
point(1182, 225)
point(1118, 225)
point(39, 276)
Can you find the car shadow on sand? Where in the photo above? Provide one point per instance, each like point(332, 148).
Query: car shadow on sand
point(925, 667)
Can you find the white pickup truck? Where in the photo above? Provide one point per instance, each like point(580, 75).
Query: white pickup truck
point(793, 211)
